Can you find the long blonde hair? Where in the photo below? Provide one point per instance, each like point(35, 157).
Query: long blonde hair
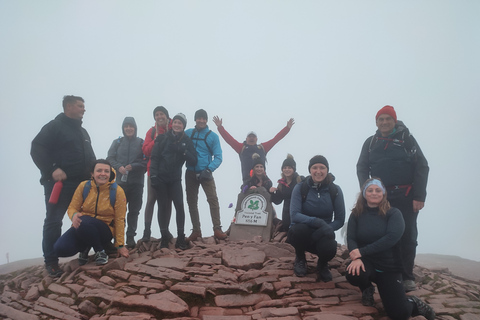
point(361, 203)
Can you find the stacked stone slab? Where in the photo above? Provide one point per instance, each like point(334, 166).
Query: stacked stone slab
point(243, 280)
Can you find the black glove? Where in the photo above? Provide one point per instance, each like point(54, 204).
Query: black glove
point(205, 175)
point(154, 181)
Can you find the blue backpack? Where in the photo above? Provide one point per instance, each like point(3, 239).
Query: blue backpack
point(113, 192)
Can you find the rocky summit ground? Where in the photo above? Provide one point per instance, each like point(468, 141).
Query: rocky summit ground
point(247, 280)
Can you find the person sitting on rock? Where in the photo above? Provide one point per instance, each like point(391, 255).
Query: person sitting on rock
point(95, 220)
point(373, 236)
point(317, 210)
point(259, 177)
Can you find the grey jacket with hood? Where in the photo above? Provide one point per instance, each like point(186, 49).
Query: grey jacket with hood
point(128, 150)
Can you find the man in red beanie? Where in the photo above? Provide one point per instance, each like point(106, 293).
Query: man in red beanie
point(394, 156)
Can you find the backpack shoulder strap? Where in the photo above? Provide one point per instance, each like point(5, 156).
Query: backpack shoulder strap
point(304, 188)
point(333, 192)
point(113, 194)
point(86, 189)
point(205, 139)
point(153, 133)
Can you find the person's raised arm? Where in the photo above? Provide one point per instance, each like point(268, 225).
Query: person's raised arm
point(237, 146)
point(270, 143)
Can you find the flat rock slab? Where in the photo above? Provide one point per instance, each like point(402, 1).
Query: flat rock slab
point(243, 258)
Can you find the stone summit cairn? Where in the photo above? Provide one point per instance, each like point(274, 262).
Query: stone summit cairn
point(226, 280)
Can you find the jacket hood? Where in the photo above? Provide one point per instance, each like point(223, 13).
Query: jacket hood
point(130, 121)
point(328, 179)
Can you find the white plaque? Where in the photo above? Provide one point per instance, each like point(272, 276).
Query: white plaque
point(253, 211)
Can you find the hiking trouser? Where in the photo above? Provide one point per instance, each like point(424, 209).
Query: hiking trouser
point(52, 225)
point(192, 186)
point(390, 288)
point(92, 233)
point(166, 193)
point(305, 238)
point(408, 242)
point(134, 195)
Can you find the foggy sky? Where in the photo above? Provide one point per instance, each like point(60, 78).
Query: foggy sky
point(329, 64)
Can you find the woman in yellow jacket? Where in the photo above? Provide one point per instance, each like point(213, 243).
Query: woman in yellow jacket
point(94, 220)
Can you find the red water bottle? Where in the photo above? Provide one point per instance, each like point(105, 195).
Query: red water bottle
point(57, 188)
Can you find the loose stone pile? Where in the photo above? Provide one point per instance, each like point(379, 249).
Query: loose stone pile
point(248, 280)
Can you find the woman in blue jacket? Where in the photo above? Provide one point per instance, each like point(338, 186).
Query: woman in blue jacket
point(317, 210)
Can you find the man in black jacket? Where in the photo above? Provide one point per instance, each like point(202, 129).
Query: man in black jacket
point(62, 150)
point(394, 156)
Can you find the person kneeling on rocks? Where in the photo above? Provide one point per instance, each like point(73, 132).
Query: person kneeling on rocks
point(373, 236)
point(317, 210)
point(96, 218)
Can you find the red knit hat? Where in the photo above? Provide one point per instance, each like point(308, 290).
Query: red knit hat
point(387, 110)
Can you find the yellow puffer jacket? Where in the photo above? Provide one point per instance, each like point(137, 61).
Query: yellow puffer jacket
point(100, 208)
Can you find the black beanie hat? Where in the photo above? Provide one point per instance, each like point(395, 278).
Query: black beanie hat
point(289, 161)
point(180, 116)
point(160, 108)
point(200, 113)
point(318, 159)
point(257, 159)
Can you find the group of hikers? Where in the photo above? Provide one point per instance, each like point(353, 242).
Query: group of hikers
point(381, 232)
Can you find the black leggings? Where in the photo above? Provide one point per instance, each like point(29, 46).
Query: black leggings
point(317, 241)
point(166, 192)
point(390, 288)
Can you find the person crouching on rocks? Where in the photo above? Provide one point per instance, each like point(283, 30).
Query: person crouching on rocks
point(317, 210)
point(96, 218)
point(169, 153)
point(373, 236)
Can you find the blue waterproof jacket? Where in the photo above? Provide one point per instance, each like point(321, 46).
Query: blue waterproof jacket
point(209, 151)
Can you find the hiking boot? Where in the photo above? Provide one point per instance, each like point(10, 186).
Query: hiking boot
point(422, 308)
point(194, 236)
point(181, 243)
point(146, 235)
point(409, 285)
point(54, 270)
point(323, 273)
point(83, 257)
point(101, 258)
point(300, 267)
point(169, 237)
point(130, 242)
point(219, 234)
point(367, 297)
point(164, 243)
